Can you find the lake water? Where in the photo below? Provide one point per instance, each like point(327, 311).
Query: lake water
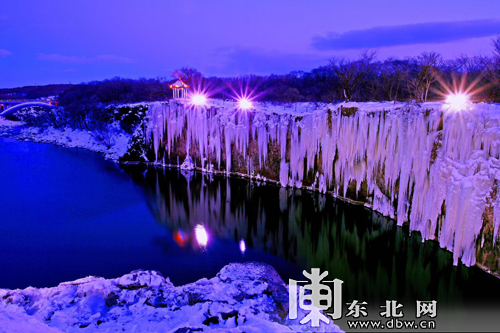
point(67, 214)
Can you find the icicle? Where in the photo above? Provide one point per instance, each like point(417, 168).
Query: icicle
point(424, 161)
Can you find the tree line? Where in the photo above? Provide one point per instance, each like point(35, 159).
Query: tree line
point(426, 77)
point(421, 78)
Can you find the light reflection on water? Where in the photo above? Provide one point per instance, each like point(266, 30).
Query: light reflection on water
point(67, 213)
point(376, 259)
point(201, 235)
point(243, 246)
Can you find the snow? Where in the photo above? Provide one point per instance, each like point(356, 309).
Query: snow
point(187, 164)
point(421, 163)
point(113, 142)
point(428, 165)
point(9, 127)
point(8, 123)
point(249, 297)
point(17, 321)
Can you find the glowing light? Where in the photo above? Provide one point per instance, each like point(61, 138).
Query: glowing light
point(199, 100)
point(243, 246)
point(180, 238)
point(457, 101)
point(245, 104)
point(201, 235)
point(460, 92)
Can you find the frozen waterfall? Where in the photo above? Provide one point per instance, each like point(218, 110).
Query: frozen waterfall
point(424, 164)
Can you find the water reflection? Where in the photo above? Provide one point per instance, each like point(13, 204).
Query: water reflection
point(181, 238)
point(376, 259)
point(201, 235)
point(243, 247)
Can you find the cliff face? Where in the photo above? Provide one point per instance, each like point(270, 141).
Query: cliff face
point(427, 166)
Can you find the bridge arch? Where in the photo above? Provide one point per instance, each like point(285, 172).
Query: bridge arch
point(10, 111)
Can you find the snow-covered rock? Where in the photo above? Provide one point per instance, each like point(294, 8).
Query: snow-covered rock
point(112, 142)
point(187, 164)
point(249, 297)
point(9, 127)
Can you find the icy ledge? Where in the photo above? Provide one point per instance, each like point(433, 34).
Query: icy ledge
point(249, 297)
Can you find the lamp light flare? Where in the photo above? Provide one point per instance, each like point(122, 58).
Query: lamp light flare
point(201, 235)
point(243, 246)
point(245, 104)
point(199, 100)
point(457, 101)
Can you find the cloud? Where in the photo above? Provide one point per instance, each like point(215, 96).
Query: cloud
point(113, 58)
point(107, 58)
point(4, 53)
point(420, 33)
point(238, 60)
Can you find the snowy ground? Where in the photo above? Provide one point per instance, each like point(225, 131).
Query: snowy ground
point(248, 297)
point(9, 127)
point(112, 143)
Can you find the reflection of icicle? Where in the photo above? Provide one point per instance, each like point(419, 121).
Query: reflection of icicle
point(188, 174)
point(416, 165)
point(283, 199)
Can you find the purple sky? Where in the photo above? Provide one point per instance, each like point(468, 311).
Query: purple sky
point(61, 41)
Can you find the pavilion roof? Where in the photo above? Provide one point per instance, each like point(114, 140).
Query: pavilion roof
point(179, 84)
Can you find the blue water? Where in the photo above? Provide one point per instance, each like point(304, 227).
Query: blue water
point(68, 213)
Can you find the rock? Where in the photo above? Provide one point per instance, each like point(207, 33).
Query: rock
point(140, 279)
point(227, 315)
point(254, 279)
point(249, 297)
point(111, 299)
point(189, 330)
point(211, 320)
point(136, 150)
point(187, 164)
point(158, 302)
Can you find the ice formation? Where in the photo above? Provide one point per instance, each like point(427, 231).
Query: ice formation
point(433, 167)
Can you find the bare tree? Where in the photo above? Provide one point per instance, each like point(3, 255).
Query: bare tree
point(425, 70)
point(393, 74)
point(465, 64)
point(496, 47)
point(190, 75)
point(351, 73)
point(491, 70)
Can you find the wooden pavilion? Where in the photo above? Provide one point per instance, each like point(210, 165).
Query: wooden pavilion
point(179, 88)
